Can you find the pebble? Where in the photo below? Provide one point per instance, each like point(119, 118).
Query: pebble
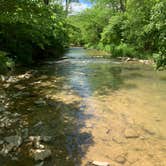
point(120, 159)
point(99, 163)
point(131, 133)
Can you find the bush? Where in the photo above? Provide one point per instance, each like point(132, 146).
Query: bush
point(160, 60)
point(31, 30)
point(125, 50)
point(5, 63)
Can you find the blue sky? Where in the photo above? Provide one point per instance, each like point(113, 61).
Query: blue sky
point(78, 7)
point(86, 2)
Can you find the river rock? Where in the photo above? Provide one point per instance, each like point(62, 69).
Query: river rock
point(120, 159)
point(131, 133)
point(41, 138)
point(99, 163)
point(14, 141)
point(41, 154)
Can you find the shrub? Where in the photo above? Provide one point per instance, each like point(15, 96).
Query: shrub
point(5, 63)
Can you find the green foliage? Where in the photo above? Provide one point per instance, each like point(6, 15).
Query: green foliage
point(31, 30)
point(5, 62)
point(112, 33)
point(125, 50)
point(125, 28)
point(91, 23)
point(160, 60)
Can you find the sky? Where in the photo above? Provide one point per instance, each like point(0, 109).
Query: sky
point(78, 7)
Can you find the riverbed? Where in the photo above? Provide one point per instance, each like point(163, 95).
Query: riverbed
point(88, 108)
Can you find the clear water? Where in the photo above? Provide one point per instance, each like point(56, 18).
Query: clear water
point(86, 98)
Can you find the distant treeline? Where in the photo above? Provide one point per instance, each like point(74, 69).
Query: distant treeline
point(133, 28)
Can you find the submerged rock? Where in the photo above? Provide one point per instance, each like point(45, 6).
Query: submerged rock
point(99, 163)
point(131, 133)
point(120, 159)
point(40, 154)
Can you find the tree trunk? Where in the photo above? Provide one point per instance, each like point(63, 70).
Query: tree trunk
point(122, 5)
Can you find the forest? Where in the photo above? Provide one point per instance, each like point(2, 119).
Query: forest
point(33, 29)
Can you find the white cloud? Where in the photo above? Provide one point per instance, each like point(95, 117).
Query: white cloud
point(77, 7)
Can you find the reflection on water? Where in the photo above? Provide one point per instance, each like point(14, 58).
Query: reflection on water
point(87, 104)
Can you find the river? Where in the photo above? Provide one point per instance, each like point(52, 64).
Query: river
point(91, 109)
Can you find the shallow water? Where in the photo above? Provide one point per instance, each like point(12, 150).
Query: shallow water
point(94, 109)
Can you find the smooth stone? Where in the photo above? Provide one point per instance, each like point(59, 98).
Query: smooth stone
point(41, 154)
point(99, 163)
point(120, 159)
point(131, 133)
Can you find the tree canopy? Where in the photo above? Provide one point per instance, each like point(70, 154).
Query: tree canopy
point(30, 30)
point(125, 28)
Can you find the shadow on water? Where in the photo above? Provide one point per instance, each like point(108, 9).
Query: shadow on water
point(43, 114)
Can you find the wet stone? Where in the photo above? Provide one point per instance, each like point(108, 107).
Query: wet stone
point(100, 163)
point(131, 133)
point(120, 159)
